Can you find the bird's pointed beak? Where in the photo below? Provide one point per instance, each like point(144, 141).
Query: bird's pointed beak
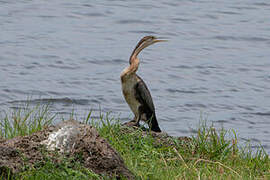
point(160, 39)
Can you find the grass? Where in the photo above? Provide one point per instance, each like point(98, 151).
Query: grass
point(210, 154)
point(66, 169)
point(25, 121)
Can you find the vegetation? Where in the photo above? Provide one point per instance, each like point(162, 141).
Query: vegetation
point(25, 120)
point(210, 154)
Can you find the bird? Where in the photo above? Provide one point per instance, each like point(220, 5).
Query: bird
point(135, 91)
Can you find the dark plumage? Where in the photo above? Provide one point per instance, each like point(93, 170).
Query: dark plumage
point(147, 108)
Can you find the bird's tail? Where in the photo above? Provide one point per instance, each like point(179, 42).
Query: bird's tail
point(153, 123)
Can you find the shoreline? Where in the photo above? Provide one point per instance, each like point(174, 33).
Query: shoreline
point(211, 153)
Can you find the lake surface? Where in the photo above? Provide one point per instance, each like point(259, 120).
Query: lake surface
point(215, 65)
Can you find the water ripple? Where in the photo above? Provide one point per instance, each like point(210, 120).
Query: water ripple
point(90, 14)
point(263, 4)
point(249, 39)
point(143, 32)
point(181, 91)
point(196, 105)
point(229, 12)
point(133, 21)
point(71, 67)
point(261, 113)
point(56, 101)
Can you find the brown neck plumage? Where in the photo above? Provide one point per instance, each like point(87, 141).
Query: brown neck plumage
point(134, 60)
point(135, 51)
point(134, 64)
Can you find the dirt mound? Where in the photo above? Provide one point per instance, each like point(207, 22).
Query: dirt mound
point(70, 139)
point(160, 138)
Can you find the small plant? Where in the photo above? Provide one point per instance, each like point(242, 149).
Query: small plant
point(65, 169)
point(25, 120)
point(211, 143)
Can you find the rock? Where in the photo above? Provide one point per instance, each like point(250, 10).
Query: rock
point(70, 139)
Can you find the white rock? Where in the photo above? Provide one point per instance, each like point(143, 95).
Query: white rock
point(64, 139)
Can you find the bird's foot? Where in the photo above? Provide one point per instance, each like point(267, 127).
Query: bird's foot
point(132, 124)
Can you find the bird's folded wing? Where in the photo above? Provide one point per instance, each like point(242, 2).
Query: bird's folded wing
point(143, 95)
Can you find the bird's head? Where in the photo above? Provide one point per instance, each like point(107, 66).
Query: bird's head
point(143, 43)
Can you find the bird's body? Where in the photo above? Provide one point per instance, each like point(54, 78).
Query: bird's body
point(129, 93)
point(135, 90)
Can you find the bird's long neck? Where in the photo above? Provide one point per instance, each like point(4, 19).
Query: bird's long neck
point(130, 71)
point(133, 61)
point(133, 58)
point(134, 64)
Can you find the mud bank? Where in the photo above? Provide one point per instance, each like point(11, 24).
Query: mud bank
point(68, 139)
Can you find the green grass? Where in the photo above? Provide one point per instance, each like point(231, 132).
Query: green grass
point(25, 121)
point(66, 169)
point(210, 154)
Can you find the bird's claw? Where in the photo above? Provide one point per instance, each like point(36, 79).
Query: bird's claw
point(131, 124)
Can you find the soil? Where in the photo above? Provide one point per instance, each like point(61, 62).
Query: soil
point(160, 138)
point(91, 150)
point(86, 147)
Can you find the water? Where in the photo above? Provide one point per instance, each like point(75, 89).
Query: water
point(215, 65)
